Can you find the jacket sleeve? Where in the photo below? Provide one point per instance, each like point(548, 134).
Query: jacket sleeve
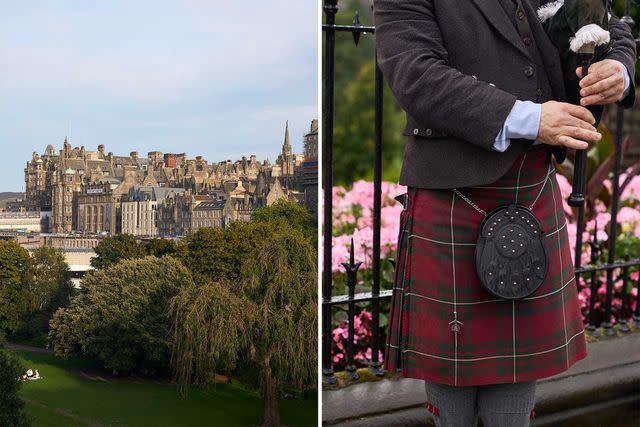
point(413, 59)
point(623, 49)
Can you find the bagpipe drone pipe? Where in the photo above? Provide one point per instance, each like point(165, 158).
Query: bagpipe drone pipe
point(580, 31)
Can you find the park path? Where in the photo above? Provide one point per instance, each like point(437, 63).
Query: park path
point(24, 347)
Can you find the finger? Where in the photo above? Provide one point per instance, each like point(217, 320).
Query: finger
point(596, 66)
point(581, 113)
point(575, 122)
point(604, 98)
point(569, 142)
point(597, 74)
point(582, 134)
point(611, 82)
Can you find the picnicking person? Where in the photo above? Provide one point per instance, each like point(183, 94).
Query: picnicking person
point(30, 375)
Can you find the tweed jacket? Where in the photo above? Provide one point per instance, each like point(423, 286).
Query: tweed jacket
point(457, 67)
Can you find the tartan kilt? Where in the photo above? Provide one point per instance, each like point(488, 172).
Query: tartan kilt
point(499, 341)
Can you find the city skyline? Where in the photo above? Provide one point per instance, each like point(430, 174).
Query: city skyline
point(143, 88)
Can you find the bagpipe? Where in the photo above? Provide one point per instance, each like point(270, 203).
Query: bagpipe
point(580, 31)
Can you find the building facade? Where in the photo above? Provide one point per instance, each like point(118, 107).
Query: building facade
point(310, 169)
point(94, 192)
point(26, 222)
point(140, 213)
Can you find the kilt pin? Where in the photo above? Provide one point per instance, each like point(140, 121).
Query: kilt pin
point(444, 327)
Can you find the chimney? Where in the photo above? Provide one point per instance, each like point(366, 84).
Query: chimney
point(130, 173)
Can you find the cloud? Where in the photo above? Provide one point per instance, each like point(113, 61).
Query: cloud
point(152, 53)
point(126, 72)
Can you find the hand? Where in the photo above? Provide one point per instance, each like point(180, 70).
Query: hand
point(566, 124)
point(603, 85)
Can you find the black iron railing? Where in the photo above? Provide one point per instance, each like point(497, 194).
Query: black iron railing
point(374, 297)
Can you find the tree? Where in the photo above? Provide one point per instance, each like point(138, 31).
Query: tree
point(45, 273)
point(282, 283)
point(270, 317)
point(354, 131)
point(46, 287)
point(111, 250)
point(355, 108)
point(215, 254)
point(11, 406)
point(211, 325)
point(289, 213)
point(161, 247)
point(13, 259)
point(120, 317)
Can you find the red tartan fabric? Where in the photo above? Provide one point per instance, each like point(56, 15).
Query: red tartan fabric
point(437, 290)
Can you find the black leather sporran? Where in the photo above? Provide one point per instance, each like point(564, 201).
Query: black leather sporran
point(510, 256)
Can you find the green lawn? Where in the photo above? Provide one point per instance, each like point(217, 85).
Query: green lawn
point(63, 398)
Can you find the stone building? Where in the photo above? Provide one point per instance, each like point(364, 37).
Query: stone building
point(208, 214)
point(310, 169)
point(28, 222)
point(39, 179)
point(99, 205)
point(140, 209)
point(85, 191)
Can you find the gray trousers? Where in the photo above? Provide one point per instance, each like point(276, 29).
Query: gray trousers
point(498, 405)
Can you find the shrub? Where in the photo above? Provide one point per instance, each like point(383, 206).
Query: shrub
point(11, 406)
point(120, 317)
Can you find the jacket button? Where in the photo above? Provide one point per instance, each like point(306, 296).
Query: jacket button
point(539, 92)
point(527, 41)
point(416, 131)
point(520, 14)
point(429, 132)
point(528, 71)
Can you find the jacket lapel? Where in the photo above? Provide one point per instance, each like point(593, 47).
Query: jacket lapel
point(495, 14)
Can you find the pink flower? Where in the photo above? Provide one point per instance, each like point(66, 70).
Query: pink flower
point(627, 214)
point(364, 313)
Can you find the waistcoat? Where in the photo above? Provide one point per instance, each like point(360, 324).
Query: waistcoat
point(520, 17)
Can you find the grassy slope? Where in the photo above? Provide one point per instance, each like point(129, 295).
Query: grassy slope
point(65, 399)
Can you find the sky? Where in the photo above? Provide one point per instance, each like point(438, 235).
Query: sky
point(206, 77)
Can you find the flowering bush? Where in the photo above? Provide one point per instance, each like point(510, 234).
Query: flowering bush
point(353, 219)
point(628, 217)
point(627, 243)
point(361, 338)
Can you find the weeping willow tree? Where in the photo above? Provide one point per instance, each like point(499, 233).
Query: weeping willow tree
point(267, 321)
point(281, 282)
point(211, 328)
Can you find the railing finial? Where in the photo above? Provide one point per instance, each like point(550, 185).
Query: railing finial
point(356, 23)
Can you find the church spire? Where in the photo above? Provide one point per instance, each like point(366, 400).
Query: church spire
point(286, 147)
point(66, 146)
